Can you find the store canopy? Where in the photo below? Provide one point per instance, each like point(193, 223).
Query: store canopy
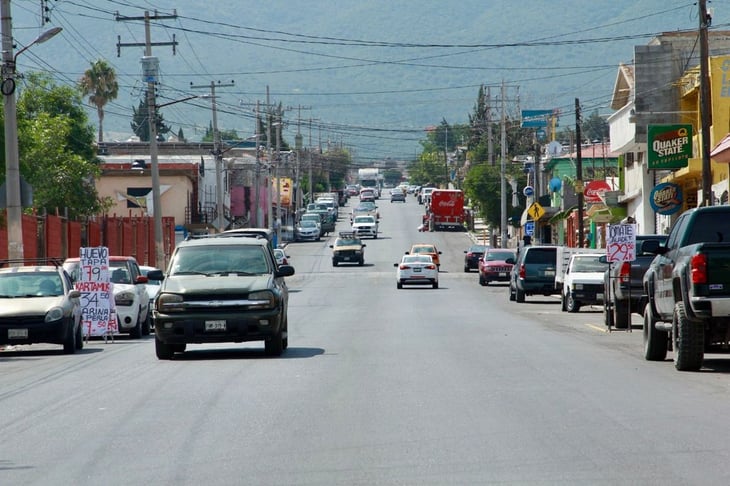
point(721, 151)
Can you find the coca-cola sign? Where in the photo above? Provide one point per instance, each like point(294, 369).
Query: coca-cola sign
point(450, 203)
point(594, 190)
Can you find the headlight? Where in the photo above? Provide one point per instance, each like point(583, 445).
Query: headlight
point(55, 314)
point(125, 299)
point(169, 303)
point(263, 299)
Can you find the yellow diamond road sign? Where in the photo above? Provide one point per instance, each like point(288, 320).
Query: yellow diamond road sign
point(536, 211)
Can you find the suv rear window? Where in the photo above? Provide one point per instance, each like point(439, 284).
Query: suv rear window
point(541, 255)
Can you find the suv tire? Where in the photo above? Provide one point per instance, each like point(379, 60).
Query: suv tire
point(519, 296)
point(69, 344)
point(162, 350)
point(275, 345)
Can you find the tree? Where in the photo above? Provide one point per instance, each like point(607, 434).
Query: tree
point(56, 147)
point(100, 84)
point(140, 124)
point(595, 127)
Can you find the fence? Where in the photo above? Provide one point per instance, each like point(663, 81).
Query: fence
point(54, 236)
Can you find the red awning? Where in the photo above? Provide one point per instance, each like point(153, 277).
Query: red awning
point(721, 151)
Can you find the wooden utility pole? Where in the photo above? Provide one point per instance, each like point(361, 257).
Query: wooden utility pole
point(705, 105)
point(579, 171)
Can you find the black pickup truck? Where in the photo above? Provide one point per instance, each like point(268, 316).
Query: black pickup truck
point(623, 286)
point(688, 289)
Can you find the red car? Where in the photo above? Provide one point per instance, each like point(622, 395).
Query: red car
point(496, 265)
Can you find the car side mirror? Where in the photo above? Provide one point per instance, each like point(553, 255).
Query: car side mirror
point(603, 259)
point(155, 275)
point(651, 246)
point(332, 246)
point(364, 245)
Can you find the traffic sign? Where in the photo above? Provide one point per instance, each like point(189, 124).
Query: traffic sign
point(536, 211)
point(528, 191)
point(530, 228)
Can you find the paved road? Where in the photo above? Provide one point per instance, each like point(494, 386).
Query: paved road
point(418, 386)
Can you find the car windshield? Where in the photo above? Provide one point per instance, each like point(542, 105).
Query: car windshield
point(364, 219)
point(588, 264)
point(307, 223)
point(347, 241)
point(477, 249)
point(223, 259)
point(499, 255)
point(27, 284)
point(423, 249)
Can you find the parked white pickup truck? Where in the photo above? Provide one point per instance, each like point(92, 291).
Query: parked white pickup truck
point(583, 281)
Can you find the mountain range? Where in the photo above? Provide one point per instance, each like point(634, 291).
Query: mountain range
point(369, 76)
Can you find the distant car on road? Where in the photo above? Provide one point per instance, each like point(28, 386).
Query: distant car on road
point(496, 265)
point(281, 257)
point(426, 249)
point(348, 248)
point(472, 256)
point(307, 229)
point(397, 195)
point(416, 269)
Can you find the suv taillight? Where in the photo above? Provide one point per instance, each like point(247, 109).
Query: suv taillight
point(523, 272)
point(698, 268)
point(624, 274)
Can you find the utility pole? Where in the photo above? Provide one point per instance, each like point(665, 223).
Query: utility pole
point(705, 105)
point(220, 222)
point(579, 171)
point(259, 210)
point(268, 154)
point(503, 173)
point(150, 67)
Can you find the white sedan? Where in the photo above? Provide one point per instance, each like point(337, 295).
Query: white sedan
point(416, 270)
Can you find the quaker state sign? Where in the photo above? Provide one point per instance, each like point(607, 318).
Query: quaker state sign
point(669, 146)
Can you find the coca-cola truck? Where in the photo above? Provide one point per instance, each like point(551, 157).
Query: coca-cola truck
point(446, 210)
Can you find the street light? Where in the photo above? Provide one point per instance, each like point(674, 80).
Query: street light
point(12, 162)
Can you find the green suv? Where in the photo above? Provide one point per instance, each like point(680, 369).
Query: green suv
point(221, 289)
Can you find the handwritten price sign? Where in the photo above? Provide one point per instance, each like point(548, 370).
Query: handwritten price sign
point(621, 242)
point(97, 297)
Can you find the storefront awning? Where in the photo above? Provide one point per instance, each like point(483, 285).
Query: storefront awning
point(692, 171)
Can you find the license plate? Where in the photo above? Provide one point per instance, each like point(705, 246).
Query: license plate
point(346, 259)
point(599, 296)
point(549, 273)
point(502, 274)
point(215, 325)
point(17, 333)
point(416, 269)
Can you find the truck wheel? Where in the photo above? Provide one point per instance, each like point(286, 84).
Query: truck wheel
point(571, 305)
point(688, 340)
point(656, 342)
point(607, 315)
point(621, 317)
point(482, 281)
point(519, 296)
point(399, 285)
point(511, 294)
point(162, 350)
point(562, 302)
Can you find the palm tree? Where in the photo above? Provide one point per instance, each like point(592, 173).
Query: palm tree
point(100, 83)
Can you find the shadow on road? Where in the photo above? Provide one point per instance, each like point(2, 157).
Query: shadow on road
point(245, 353)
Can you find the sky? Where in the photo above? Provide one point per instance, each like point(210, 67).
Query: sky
point(367, 76)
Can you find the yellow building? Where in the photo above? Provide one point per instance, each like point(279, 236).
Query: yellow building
point(690, 177)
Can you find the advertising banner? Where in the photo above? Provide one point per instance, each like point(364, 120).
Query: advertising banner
point(669, 146)
point(97, 297)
